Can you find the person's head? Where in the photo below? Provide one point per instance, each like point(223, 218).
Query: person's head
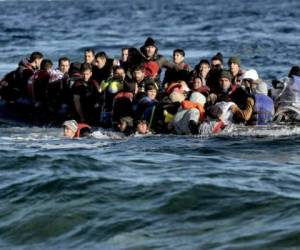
point(225, 80)
point(215, 112)
point(204, 67)
point(178, 56)
point(130, 87)
point(64, 64)
point(294, 71)
point(36, 59)
point(125, 124)
point(234, 64)
point(86, 71)
point(89, 55)
point(124, 54)
point(119, 73)
point(196, 83)
point(101, 59)
point(151, 90)
point(139, 73)
point(70, 128)
point(150, 47)
point(142, 127)
point(46, 64)
point(216, 62)
point(251, 80)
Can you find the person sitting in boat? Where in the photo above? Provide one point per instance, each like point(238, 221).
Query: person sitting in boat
point(58, 92)
point(72, 129)
point(14, 84)
point(138, 77)
point(103, 67)
point(153, 62)
point(89, 56)
point(108, 90)
point(216, 67)
point(187, 119)
point(197, 85)
point(64, 64)
point(86, 96)
point(146, 106)
point(234, 64)
point(201, 71)
point(123, 102)
point(232, 93)
point(181, 73)
point(263, 109)
point(37, 87)
point(218, 117)
point(286, 95)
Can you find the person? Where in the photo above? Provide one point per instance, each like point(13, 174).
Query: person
point(154, 62)
point(142, 127)
point(229, 92)
point(263, 109)
point(108, 91)
point(64, 65)
point(125, 125)
point(89, 56)
point(187, 119)
point(286, 95)
point(38, 84)
point(197, 85)
point(201, 70)
point(14, 84)
point(123, 62)
point(103, 68)
point(234, 64)
point(146, 106)
point(58, 91)
point(181, 72)
point(86, 96)
point(72, 129)
point(123, 102)
point(216, 67)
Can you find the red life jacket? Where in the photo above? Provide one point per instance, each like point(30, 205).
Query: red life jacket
point(151, 69)
point(31, 88)
point(123, 94)
point(80, 127)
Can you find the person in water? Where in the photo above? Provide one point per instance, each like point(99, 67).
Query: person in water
point(142, 127)
point(72, 129)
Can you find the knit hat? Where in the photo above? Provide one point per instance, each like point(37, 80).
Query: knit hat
point(225, 74)
point(251, 74)
point(150, 42)
point(71, 124)
point(234, 59)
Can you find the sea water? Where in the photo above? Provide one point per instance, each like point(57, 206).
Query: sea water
point(237, 190)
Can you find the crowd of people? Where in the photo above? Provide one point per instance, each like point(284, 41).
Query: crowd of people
point(129, 94)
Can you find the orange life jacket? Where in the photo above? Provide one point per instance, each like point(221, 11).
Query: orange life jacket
point(186, 104)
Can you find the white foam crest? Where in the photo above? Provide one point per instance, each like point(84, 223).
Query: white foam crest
point(261, 131)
